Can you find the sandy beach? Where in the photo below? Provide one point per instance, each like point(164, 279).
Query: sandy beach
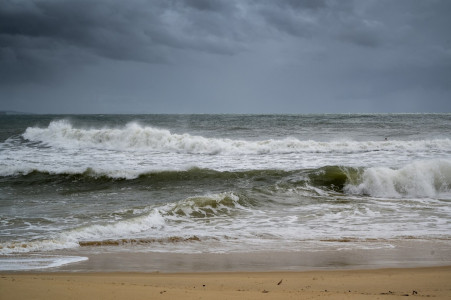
point(432, 282)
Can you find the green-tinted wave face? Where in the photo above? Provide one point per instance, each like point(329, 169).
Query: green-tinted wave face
point(332, 177)
point(202, 180)
point(197, 174)
point(328, 178)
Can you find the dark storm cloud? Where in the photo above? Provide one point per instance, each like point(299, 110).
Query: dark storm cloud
point(32, 32)
point(246, 49)
point(110, 29)
point(143, 31)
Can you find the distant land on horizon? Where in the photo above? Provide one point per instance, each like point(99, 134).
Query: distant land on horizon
point(13, 112)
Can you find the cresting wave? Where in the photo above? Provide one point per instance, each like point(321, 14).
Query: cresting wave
point(135, 137)
point(36, 176)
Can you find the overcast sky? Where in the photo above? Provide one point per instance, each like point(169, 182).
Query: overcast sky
point(225, 56)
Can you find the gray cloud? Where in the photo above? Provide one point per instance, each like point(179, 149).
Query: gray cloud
point(118, 30)
point(310, 55)
point(146, 31)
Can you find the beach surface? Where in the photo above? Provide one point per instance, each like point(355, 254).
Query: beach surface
point(434, 282)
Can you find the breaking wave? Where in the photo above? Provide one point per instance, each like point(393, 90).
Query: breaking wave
point(136, 137)
point(429, 178)
point(89, 176)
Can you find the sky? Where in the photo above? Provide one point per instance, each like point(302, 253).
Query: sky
point(225, 56)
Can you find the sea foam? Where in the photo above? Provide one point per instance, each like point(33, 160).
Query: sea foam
point(70, 239)
point(37, 262)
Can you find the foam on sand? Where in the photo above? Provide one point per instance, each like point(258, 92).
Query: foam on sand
point(19, 263)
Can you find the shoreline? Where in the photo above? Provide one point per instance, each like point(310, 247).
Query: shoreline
point(328, 256)
point(338, 270)
point(387, 283)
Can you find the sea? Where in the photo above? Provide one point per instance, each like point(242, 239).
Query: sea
point(76, 186)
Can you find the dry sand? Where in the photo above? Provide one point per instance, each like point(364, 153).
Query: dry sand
point(432, 282)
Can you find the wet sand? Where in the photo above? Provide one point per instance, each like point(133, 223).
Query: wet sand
point(336, 256)
point(412, 268)
point(432, 282)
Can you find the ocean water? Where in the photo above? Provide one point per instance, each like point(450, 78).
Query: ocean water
point(219, 184)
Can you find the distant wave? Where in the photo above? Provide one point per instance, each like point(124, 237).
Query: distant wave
point(136, 137)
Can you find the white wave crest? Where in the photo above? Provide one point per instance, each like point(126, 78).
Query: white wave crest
point(429, 178)
point(124, 228)
point(135, 137)
point(205, 206)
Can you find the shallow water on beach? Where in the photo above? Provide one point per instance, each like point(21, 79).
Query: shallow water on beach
point(193, 184)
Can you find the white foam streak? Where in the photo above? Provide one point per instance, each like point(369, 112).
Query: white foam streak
point(419, 179)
